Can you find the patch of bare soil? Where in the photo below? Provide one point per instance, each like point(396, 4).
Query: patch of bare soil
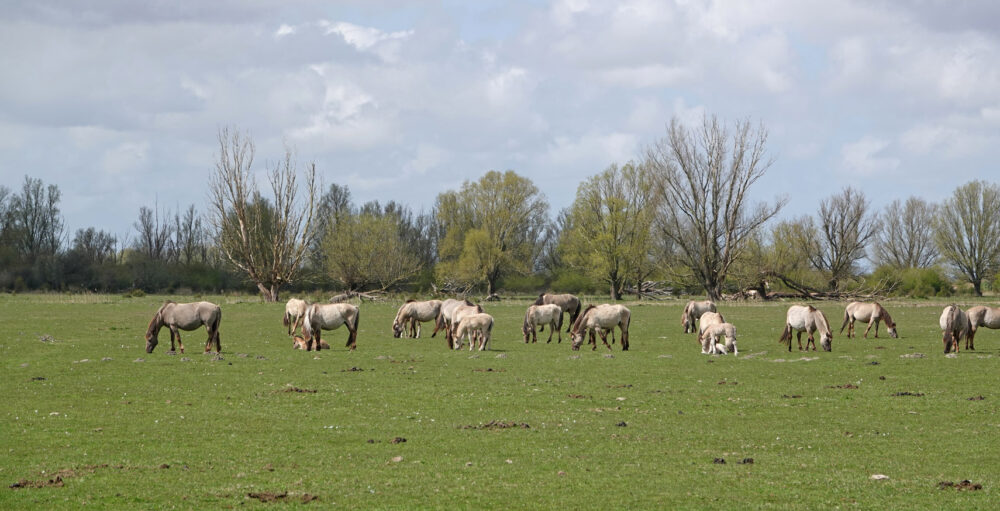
point(976, 398)
point(266, 496)
point(907, 393)
point(55, 482)
point(489, 370)
point(298, 390)
point(849, 386)
point(577, 396)
point(793, 396)
point(352, 370)
point(498, 425)
point(964, 485)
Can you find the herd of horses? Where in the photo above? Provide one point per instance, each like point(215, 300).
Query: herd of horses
point(462, 320)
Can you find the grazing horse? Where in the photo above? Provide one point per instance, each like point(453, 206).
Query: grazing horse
point(550, 314)
point(692, 311)
point(464, 309)
point(329, 316)
point(567, 302)
point(954, 325)
point(411, 314)
point(980, 315)
point(185, 316)
point(295, 311)
point(601, 319)
point(444, 317)
point(476, 326)
point(710, 339)
point(706, 320)
point(871, 313)
point(806, 318)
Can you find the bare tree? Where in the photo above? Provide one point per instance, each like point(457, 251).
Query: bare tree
point(35, 221)
point(153, 240)
point(93, 247)
point(265, 239)
point(967, 231)
point(704, 176)
point(906, 235)
point(845, 228)
point(189, 237)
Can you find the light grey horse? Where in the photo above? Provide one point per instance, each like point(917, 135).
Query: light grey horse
point(329, 316)
point(567, 302)
point(870, 313)
point(185, 316)
point(980, 315)
point(295, 311)
point(954, 325)
point(694, 310)
point(806, 318)
point(550, 314)
point(411, 314)
point(601, 319)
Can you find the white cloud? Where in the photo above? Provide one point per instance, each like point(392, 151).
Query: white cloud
point(864, 157)
point(284, 30)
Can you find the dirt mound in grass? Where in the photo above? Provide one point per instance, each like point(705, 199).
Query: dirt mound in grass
point(964, 485)
point(498, 425)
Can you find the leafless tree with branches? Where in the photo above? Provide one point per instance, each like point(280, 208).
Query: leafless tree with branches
point(845, 228)
point(267, 239)
point(704, 176)
point(905, 238)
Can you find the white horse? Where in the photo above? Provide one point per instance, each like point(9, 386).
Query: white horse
point(330, 316)
point(443, 321)
point(411, 314)
point(870, 313)
point(806, 318)
point(567, 303)
point(476, 326)
point(601, 319)
point(954, 325)
point(550, 314)
point(710, 339)
point(706, 320)
point(980, 315)
point(692, 311)
point(459, 313)
point(295, 311)
point(185, 316)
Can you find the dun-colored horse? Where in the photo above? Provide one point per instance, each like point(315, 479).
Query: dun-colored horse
point(330, 316)
point(980, 315)
point(692, 311)
point(806, 318)
point(870, 313)
point(601, 319)
point(411, 314)
point(954, 325)
point(567, 302)
point(185, 316)
point(550, 314)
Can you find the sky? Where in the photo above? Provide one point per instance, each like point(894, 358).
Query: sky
point(119, 103)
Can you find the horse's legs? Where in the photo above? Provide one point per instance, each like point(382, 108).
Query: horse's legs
point(593, 339)
point(559, 332)
point(551, 328)
point(969, 339)
point(811, 340)
point(604, 337)
point(870, 323)
point(798, 336)
point(415, 322)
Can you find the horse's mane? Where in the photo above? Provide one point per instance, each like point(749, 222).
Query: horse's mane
point(467, 302)
point(410, 300)
point(540, 300)
point(579, 318)
point(885, 315)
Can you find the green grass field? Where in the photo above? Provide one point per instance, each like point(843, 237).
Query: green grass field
point(89, 419)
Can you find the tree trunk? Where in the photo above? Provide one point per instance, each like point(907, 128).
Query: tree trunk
point(491, 287)
point(270, 295)
point(616, 291)
point(977, 285)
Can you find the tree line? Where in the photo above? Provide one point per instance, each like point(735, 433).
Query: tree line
point(678, 218)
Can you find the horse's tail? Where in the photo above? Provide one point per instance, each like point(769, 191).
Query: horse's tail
point(847, 319)
point(307, 322)
point(624, 326)
point(786, 336)
point(216, 338)
point(573, 315)
point(488, 334)
point(352, 338)
point(284, 319)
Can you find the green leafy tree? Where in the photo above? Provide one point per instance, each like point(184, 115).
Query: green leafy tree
point(967, 231)
point(610, 233)
point(489, 228)
point(366, 251)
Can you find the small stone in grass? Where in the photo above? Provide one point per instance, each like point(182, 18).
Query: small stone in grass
point(878, 477)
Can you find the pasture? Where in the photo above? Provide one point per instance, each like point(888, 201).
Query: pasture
point(90, 419)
